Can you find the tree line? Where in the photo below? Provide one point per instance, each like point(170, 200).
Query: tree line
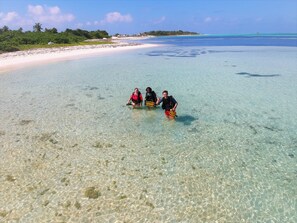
point(13, 40)
point(169, 33)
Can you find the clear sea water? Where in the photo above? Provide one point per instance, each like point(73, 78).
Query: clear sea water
point(72, 151)
point(228, 40)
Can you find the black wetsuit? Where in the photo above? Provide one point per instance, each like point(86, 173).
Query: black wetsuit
point(151, 96)
point(168, 103)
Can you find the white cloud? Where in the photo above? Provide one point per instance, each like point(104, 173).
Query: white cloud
point(54, 10)
point(160, 20)
point(208, 19)
point(114, 17)
point(48, 16)
point(35, 10)
point(8, 17)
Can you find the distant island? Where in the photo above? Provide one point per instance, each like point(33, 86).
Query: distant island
point(168, 33)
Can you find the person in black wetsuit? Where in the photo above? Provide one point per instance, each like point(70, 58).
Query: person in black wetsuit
point(168, 103)
point(150, 97)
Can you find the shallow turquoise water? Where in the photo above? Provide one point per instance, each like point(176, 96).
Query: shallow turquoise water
point(230, 156)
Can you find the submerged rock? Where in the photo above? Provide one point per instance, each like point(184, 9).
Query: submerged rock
point(46, 136)
point(93, 88)
point(25, 122)
point(150, 204)
point(92, 193)
point(77, 205)
point(102, 145)
point(291, 155)
point(10, 178)
point(3, 213)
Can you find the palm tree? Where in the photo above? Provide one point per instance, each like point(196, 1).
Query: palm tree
point(5, 29)
point(37, 27)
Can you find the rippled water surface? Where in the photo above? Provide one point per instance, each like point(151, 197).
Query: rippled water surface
point(72, 151)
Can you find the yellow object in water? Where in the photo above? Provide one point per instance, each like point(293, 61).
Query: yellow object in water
point(150, 104)
point(172, 114)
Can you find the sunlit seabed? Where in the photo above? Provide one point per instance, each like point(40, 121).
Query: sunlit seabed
point(72, 151)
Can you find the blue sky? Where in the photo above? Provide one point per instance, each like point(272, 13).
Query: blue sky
point(134, 16)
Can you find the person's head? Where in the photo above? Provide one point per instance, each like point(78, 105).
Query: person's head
point(136, 90)
point(165, 93)
point(148, 89)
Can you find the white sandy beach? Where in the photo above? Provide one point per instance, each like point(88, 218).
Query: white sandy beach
point(20, 59)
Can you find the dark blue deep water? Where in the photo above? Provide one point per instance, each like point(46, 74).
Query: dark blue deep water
point(227, 40)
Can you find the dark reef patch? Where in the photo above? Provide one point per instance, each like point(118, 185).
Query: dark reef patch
point(70, 105)
point(253, 129)
point(291, 155)
point(185, 53)
point(93, 88)
point(25, 122)
point(47, 137)
point(257, 75)
point(99, 97)
point(90, 88)
point(10, 178)
point(174, 53)
point(92, 193)
point(193, 130)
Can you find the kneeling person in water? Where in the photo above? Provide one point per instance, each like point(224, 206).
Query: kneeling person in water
point(136, 98)
point(150, 97)
point(169, 104)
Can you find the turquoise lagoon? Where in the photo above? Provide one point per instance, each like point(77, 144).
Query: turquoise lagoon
point(72, 151)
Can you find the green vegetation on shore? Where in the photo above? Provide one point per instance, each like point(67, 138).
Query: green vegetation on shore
point(15, 40)
point(169, 33)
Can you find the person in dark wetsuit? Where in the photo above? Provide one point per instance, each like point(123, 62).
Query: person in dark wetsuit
point(151, 97)
point(169, 104)
point(136, 98)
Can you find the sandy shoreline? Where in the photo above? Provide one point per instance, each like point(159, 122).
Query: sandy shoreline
point(21, 59)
